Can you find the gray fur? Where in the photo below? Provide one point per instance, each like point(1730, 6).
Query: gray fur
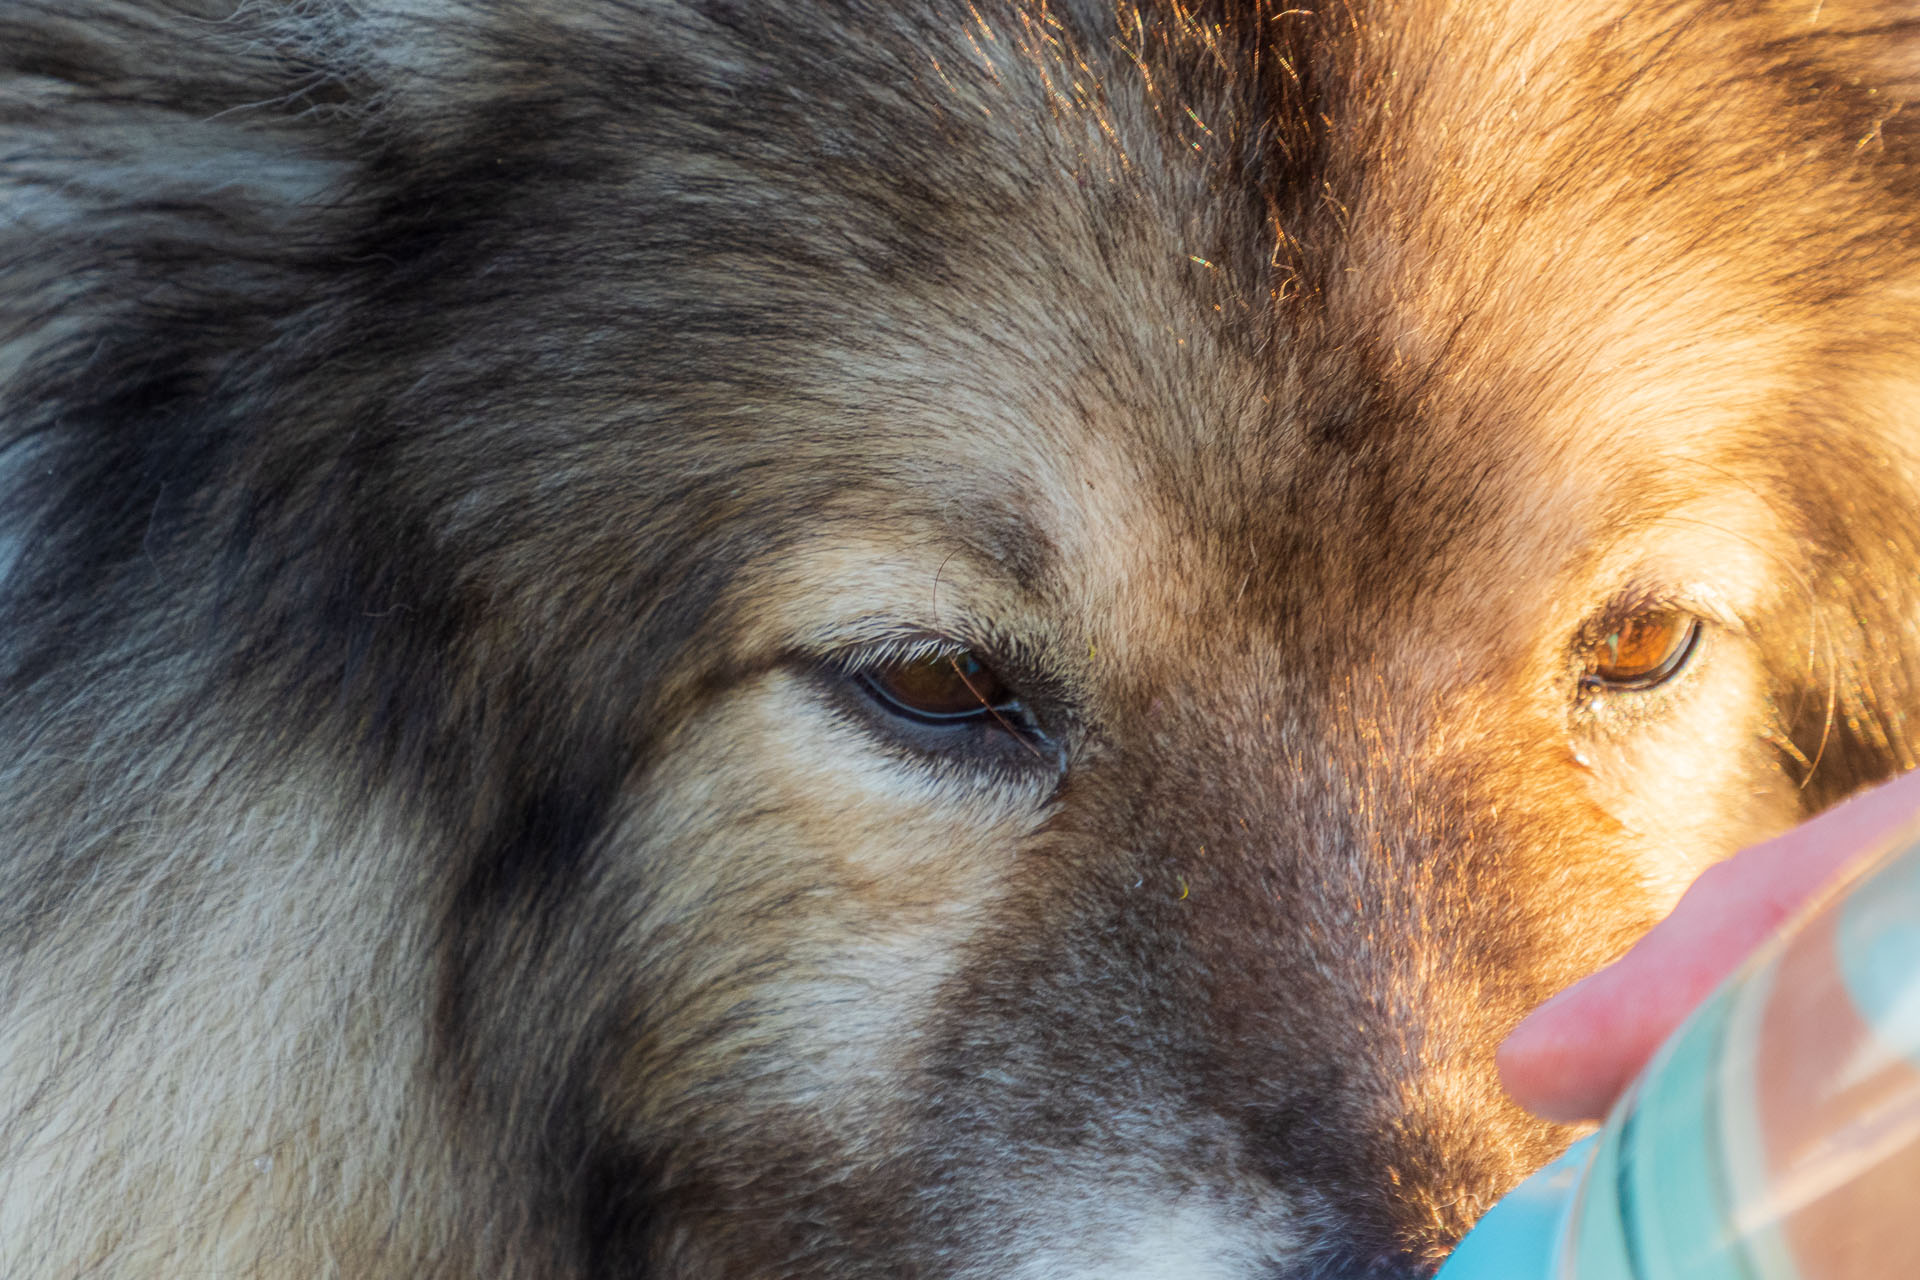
point(464, 467)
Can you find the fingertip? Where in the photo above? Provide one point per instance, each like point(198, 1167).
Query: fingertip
point(1549, 1073)
point(1569, 1058)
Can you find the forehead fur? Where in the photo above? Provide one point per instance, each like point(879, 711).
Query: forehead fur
point(1234, 202)
point(1342, 321)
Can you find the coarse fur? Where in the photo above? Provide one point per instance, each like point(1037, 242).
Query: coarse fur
point(463, 465)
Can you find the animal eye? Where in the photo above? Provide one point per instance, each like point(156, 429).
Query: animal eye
point(940, 688)
point(1646, 650)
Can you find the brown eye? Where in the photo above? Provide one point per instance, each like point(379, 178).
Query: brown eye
point(939, 687)
point(1647, 650)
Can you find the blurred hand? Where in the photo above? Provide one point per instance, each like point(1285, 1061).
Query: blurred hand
point(1573, 1055)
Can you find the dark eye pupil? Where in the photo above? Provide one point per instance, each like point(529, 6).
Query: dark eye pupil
point(941, 686)
point(1645, 651)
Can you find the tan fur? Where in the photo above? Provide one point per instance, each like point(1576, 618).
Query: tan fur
point(463, 469)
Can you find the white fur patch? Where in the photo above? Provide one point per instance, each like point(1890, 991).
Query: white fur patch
point(1130, 1233)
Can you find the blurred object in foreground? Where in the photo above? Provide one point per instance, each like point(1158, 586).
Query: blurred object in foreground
point(1776, 1134)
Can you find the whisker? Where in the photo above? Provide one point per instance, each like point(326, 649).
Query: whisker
point(954, 662)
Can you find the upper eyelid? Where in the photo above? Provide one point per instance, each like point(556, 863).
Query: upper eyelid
point(1610, 620)
point(1698, 599)
point(1007, 659)
point(863, 658)
point(1634, 602)
point(1605, 626)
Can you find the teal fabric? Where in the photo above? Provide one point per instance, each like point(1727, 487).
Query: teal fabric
point(1648, 1198)
point(1640, 1200)
point(1674, 1204)
point(1879, 943)
point(1519, 1237)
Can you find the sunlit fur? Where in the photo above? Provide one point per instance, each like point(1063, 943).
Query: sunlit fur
point(455, 459)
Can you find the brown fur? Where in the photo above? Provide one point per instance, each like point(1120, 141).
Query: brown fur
point(459, 462)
